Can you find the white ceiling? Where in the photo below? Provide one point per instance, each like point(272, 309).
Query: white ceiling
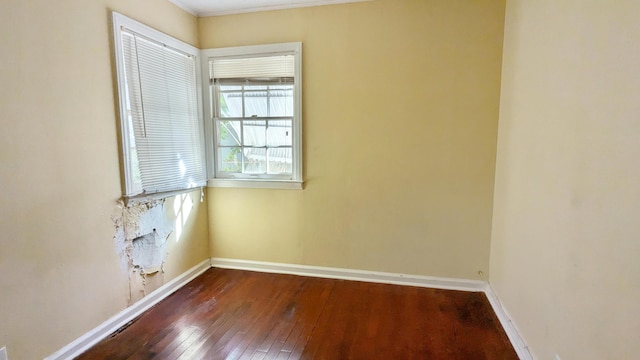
point(224, 7)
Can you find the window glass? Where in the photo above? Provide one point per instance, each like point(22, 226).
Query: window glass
point(281, 102)
point(254, 132)
point(279, 133)
point(255, 160)
point(230, 159)
point(229, 133)
point(255, 103)
point(279, 161)
point(230, 103)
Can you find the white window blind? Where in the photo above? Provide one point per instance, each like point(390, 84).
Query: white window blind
point(163, 145)
point(278, 66)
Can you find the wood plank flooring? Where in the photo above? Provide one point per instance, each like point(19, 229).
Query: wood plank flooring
point(233, 314)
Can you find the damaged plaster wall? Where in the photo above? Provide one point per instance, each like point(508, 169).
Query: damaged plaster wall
point(61, 275)
point(141, 240)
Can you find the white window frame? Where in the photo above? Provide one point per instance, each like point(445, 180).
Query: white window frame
point(296, 181)
point(131, 191)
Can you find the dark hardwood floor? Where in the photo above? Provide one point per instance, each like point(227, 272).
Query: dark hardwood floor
point(233, 314)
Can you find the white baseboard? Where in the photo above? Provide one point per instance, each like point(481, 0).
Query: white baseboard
point(388, 278)
point(509, 327)
point(103, 330)
point(350, 274)
point(89, 339)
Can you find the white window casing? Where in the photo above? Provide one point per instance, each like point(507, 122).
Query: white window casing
point(259, 130)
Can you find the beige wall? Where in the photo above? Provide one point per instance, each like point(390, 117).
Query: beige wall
point(565, 247)
point(400, 117)
point(59, 173)
point(400, 106)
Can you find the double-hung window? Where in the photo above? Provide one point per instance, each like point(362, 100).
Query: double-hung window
point(255, 98)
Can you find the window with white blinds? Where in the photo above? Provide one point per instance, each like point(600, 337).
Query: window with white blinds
point(255, 111)
point(162, 135)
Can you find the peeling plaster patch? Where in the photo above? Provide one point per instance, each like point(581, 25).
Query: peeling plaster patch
point(148, 252)
point(142, 231)
point(121, 244)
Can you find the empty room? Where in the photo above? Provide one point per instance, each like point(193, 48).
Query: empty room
point(320, 179)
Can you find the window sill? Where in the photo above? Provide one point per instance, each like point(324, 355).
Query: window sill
point(141, 198)
point(255, 184)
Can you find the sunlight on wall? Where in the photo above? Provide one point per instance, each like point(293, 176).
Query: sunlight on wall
point(182, 207)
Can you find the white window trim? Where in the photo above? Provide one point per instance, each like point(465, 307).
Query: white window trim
point(256, 184)
point(294, 48)
point(120, 21)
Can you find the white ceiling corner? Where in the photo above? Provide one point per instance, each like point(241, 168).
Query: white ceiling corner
point(225, 7)
point(184, 7)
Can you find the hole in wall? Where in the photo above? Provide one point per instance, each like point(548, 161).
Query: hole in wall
point(142, 233)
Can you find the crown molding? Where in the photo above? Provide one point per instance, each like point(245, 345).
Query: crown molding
point(184, 6)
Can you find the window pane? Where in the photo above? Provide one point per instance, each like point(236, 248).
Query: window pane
point(229, 133)
point(230, 104)
point(255, 160)
point(279, 133)
point(281, 102)
point(255, 103)
point(280, 161)
point(255, 132)
point(230, 159)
